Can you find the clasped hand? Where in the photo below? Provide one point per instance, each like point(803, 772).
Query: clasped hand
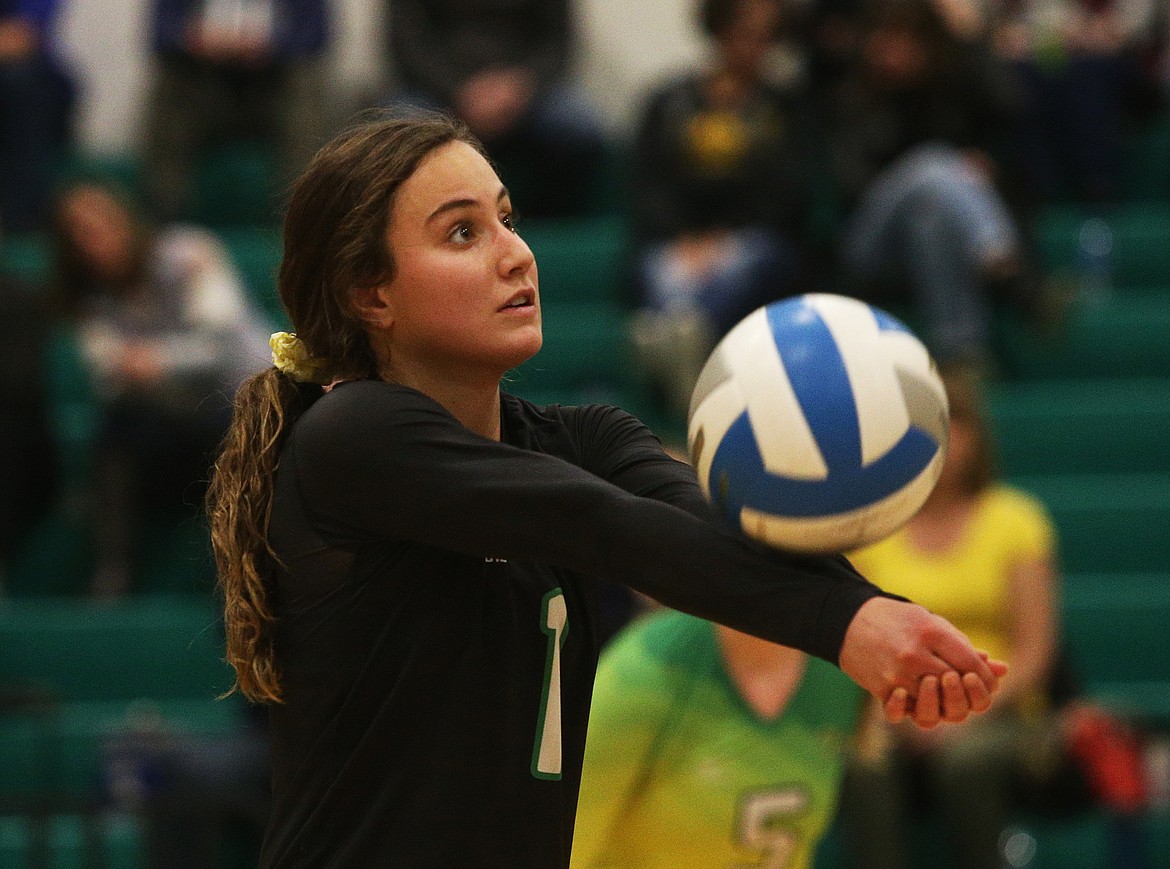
point(920, 666)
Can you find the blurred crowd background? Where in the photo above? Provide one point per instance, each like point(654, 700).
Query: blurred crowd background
point(995, 172)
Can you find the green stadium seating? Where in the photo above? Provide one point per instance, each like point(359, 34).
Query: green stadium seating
point(1127, 337)
point(256, 252)
point(54, 558)
point(1141, 237)
point(1116, 628)
point(1156, 829)
point(583, 260)
point(1108, 522)
point(68, 841)
point(25, 257)
point(158, 646)
point(236, 184)
point(121, 171)
point(1098, 426)
point(60, 750)
point(585, 349)
point(1147, 162)
point(150, 666)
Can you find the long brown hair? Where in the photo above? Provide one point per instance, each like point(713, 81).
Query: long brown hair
point(968, 406)
point(335, 242)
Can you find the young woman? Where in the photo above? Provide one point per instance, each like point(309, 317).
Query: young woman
point(408, 558)
point(166, 332)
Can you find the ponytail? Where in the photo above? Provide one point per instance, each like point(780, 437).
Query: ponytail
point(239, 506)
point(334, 243)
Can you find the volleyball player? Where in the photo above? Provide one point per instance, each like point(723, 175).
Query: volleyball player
point(408, 557)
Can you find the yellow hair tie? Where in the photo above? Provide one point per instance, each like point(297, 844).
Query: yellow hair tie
point(291, 357)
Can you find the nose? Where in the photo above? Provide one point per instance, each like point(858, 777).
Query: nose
point(516, 257)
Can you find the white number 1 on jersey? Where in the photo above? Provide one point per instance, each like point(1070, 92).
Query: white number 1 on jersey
point(546, 754)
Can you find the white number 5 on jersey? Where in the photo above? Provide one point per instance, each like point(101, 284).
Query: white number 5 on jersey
point(761, 824)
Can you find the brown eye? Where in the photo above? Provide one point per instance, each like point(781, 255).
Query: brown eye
point(462, 233)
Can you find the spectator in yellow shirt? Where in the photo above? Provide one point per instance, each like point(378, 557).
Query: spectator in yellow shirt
point(981, 554)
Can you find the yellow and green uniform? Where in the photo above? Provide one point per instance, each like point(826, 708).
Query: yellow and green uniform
point(680, 772)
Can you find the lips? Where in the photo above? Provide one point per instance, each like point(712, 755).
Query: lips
point(522, 299)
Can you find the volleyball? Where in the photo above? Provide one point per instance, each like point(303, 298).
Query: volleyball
point(818, 424)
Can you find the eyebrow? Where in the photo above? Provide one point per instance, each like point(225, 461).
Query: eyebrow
point(455, 204)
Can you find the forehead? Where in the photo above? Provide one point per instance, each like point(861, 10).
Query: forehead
point(452, 171)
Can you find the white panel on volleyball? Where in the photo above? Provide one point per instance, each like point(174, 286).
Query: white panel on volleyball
point(882, 416)
point(842, 531)
point(785, 441)
point(908, 355)
point(721, 408)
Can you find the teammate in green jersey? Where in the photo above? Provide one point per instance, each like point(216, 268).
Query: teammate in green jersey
point(710, 748)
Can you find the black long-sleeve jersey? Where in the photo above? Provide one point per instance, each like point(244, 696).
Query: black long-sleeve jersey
point(437, 626)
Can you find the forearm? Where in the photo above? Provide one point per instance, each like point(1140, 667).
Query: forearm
point(483, 498)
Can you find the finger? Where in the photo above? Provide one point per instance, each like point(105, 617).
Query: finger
point(977, 694)
point(956, 650)
point(896, 705)
point(926, 704)
point(956, 706)
point(998, 668)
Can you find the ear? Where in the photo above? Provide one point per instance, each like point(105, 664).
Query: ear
point(374, 306)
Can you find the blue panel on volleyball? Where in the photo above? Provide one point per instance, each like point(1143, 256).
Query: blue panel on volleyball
point(889, 323)
point(846, 488)
point(817, 373)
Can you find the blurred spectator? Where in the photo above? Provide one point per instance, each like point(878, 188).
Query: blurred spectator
point(28, 481)
point(830, 33)
point(229, 70)
point(1088, 68)
point(709, 747)
point(167, 333)
point(912, 128)
point(720, 195)
point(983, 555)
point(503, 66)
point(36, 103)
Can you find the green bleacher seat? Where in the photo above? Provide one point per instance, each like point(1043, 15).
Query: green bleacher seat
point(1115, 625)
point(157, 646)
point(1156, 829)
point(25, 257)
point(54, 558)
point(1127, 337)
point(1114, 426)
point(60, 750)
point(68, 843)
point(1147, 162)
point(1108, 522)
point(120, 170)
point(1141, 237)
point(1079, 841)
point(583, 260)
point(256, 252)
point(236, 184)
point(89, 672)
point(585, 349)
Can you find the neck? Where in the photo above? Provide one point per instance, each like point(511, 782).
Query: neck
point(945, 497)
point(765, 674)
